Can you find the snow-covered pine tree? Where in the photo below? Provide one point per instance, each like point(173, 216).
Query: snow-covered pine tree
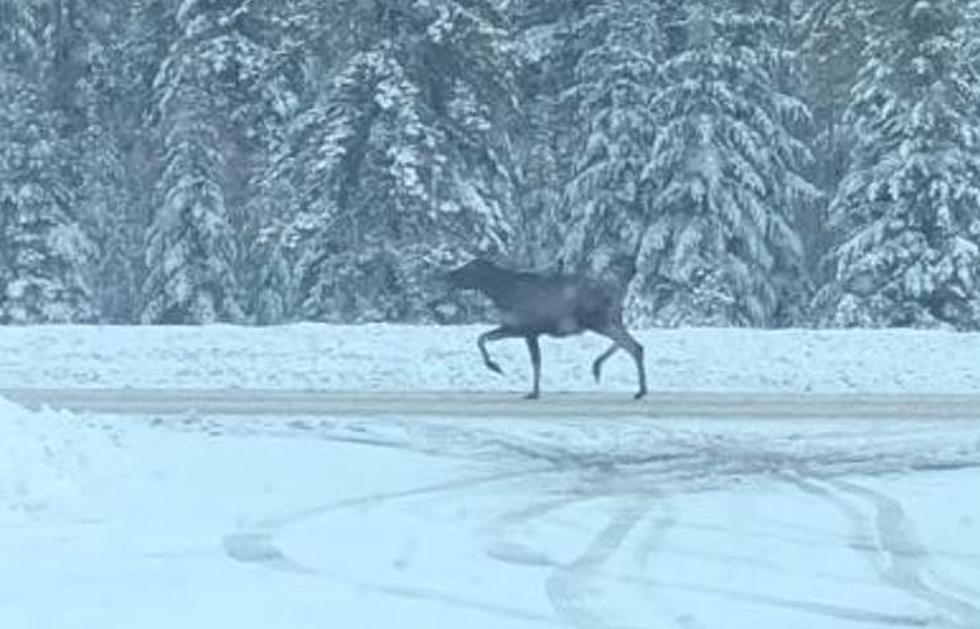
point(299, 37)
point(605, 203)
point(106, 205)
point(21, 34)
point(720, 246)
point(833, 35)
point(906, 219)
point(106, 111)
point(316, 55)
point(550, 37)
point(789, 70)
point(205, 93)
point(323, 163)
point(402, 164)
point(43, 252)
point(971, 17)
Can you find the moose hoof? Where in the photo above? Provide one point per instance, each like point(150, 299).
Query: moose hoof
point(494, 367)
point(639, 394)
point(533, 395)
point(597, 374)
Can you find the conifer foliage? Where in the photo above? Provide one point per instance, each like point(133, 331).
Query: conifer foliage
point(727, 162)
point(720, 245)
point(606, 200)
point(906, 219)
point(43, 252)
point(201, 92)
point(397, 166)
point(45, 256)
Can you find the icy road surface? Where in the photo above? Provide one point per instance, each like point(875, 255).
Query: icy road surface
point(516, 520)
point(450, 404)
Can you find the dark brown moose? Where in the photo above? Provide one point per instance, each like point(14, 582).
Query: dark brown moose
point(532, 304)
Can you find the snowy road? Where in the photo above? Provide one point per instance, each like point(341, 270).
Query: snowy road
point(377, 518)
point(222, 477)
point(454, 404)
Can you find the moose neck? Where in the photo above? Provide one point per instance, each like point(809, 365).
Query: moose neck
point(498, 285)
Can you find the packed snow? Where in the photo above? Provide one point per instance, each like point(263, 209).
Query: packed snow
point(497, 522)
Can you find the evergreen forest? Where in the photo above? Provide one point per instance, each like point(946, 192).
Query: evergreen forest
point(764, 163)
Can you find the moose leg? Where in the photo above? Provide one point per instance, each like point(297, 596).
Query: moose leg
point(503, 332)
point(597, 364)
point(535, 350)
point(623, 339)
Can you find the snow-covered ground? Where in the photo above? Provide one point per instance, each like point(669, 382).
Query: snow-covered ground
point(512, 521)
point(387, 357)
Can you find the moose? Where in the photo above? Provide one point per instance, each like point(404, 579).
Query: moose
point(532, 304)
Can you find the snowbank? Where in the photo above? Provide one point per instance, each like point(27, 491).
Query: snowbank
point(50, 463)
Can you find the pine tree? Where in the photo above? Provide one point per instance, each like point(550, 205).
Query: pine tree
point(206, 124)
point(834, 34)
point(402, 163)
point(21, 34)
point(298, 37)
point(720, 246)
point(905, 221)
point(43, 252)
point(107, 115)
point(605, 201)
point(551, 36)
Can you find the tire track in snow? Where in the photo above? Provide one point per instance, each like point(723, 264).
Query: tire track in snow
point(653, 542)
point(654, 539)
point(259, 549)
point(257, 546)
point(903, 559)
point(501, 545)
point(570, 587)
point(890, 542)
point(373, 500)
